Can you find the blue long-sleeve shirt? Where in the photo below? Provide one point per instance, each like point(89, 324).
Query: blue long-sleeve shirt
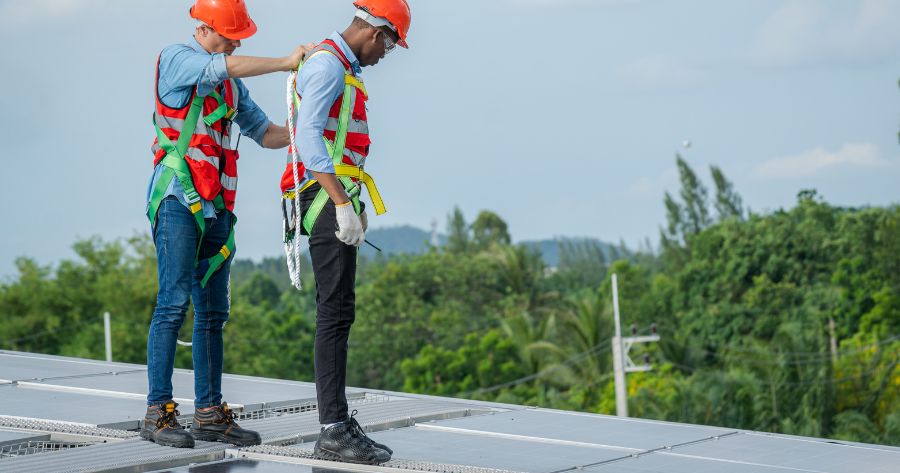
point(320, 83)
point(182, 67)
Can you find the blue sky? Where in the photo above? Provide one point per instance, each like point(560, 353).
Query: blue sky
point(563, 116)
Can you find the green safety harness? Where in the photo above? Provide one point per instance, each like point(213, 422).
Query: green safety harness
point(175, 167)
point(344, 172)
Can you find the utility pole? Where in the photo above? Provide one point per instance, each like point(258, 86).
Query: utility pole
point(621, 346)
point(834, 351)
point(107, 330)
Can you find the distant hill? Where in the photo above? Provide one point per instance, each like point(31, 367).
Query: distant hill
point(404, 239)
point(401, 239)
point(549, 249)
point(409, 239)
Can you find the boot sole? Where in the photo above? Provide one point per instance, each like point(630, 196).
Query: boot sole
point(215, 437)
point(322, 454)
point(164, 443)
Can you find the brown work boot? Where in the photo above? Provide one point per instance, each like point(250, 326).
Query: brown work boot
point(218, 425)
point(161, 426)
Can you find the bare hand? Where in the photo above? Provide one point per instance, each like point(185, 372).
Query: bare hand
point(293, 61)
point(309, 47)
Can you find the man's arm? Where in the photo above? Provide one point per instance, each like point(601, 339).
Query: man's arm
point(255, 124)
point(249, 66)
point(276, 137)
point(321, 82)
point(181, 69)
point(332, 186)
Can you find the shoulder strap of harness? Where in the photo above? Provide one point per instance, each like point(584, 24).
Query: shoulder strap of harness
point(345, 173)
point(175, 167)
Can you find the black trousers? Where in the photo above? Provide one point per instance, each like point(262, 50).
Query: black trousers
point(334, 267)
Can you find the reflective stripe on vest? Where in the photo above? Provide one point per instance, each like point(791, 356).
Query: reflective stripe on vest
point(178, 151)
point(212, 163)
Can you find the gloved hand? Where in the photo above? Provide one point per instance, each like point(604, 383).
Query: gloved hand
point(350, 227)
point(364, 220)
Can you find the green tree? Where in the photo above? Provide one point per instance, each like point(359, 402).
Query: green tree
point(694, 197)
point(728, 202)
point(489, 230)
point(458, 240)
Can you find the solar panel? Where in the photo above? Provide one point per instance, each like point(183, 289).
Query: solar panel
point(71, 414)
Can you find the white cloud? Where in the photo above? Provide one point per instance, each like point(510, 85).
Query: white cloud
point(22, 12)
point(654, 186)
point(806, 32)
point(808, 163)
point(659, 72)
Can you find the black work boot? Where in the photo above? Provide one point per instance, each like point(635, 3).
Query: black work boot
point(354, 424)
point(342, 442)
point(218, 425)
point(161, 426)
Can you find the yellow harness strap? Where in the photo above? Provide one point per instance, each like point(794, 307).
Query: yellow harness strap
point(346, 170)
point(353, 172)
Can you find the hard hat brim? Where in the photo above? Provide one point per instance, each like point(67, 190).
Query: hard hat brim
point(243, 34)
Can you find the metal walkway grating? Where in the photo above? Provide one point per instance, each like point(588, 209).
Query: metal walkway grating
point(304, 427)
point(304, 456)
point(137, 455)
point(72, 428)
point(33, 447)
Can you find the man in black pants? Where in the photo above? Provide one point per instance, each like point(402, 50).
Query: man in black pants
point(330, 104)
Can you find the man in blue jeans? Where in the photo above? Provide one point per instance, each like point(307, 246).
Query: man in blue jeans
point(190, 205)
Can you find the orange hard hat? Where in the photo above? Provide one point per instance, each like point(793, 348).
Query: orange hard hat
point(395, 11)
point(228, 17)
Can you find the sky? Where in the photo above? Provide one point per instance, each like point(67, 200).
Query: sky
point(562, 116)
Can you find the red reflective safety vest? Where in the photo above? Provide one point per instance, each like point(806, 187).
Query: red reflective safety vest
point(357, 147)
point(212, 162)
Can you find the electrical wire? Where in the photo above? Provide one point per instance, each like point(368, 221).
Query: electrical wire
point(544, 372)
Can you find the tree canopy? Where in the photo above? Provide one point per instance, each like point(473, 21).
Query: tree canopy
point(787, 321)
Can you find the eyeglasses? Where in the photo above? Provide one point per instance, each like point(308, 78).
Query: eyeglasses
point(389, 43)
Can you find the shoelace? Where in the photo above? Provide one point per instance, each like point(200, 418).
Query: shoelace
point(226, 413)
point(168, 419)
point(229, 416)
point(358, 431)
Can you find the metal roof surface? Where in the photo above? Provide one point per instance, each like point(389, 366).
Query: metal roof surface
point(67, 414)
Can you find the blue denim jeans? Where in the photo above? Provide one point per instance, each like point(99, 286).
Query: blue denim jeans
point(176, 238)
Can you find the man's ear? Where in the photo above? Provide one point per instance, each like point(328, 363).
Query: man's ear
point(376, 35)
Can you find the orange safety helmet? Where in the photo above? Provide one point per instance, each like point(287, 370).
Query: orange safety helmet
point(228, 17)
point(395, 11)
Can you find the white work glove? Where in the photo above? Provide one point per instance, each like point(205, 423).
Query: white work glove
point(364, 220)
point(350, 227)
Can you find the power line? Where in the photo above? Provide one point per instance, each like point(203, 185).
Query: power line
point(65, 328)
point(694, 369)
point(813, 354)
point(573, 359)
point(825, 358)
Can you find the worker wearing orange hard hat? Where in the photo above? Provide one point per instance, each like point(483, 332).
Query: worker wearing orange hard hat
point(190, 203)
point(321, 188)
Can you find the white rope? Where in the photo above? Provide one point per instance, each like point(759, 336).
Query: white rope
point(292, 246)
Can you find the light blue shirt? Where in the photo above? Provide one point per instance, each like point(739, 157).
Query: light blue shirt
point(320, 83)
point(182, 67)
